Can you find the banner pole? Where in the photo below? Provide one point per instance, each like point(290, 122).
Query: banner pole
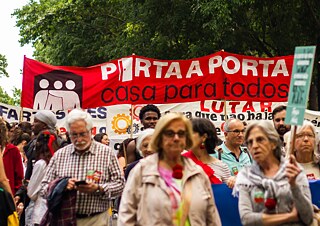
point(21, 114)
point(225, 109)
point(293, 138)
point(131, 125)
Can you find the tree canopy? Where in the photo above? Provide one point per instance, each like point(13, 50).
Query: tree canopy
point(3, 66)
point(4, 96)
point(89, 32)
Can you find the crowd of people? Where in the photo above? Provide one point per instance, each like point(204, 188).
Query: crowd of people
point(161, 177)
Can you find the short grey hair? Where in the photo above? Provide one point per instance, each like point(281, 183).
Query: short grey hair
point(308, 124)
point(268, 129)
point(144, 134)
point(76, 115)
point(226, 126)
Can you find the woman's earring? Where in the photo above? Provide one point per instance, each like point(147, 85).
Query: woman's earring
point(203, 145)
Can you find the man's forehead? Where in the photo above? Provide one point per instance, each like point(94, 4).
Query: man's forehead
point(280, 114)
point(78, 124)
point(236, 124)
point(150, 113)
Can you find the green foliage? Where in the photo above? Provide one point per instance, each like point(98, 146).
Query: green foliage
point(6, 99)
point(88, 32)
point(16, 96)
point(3, 66)
point(73, 32)
point(4, 96)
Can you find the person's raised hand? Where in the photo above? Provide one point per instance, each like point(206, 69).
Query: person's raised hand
point(292, 170)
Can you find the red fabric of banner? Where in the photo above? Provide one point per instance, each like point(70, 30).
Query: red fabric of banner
point(140, 80)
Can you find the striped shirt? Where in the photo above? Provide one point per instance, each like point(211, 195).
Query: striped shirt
point(67, 162)
point(221, 170)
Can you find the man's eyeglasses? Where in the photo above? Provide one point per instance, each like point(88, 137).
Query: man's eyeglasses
point(303, 135)
point(77, 135)
point(237, 131)
point(172, 134)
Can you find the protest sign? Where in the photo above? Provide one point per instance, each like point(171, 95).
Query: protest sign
point(300, 84)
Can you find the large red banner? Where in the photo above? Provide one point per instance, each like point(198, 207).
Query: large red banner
point(140, 80)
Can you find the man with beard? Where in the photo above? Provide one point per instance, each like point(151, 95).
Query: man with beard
point(278, 117)
point(92, 168)
point(231, 151)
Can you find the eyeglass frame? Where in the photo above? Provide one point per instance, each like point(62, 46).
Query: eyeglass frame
point(77, 135)
point(173, 134)
point(236, 131)
point(303, 135)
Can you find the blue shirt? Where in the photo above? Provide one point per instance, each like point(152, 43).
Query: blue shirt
point(234, 164)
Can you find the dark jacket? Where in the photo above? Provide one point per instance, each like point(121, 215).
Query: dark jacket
point(61, 204)
point(8, 212)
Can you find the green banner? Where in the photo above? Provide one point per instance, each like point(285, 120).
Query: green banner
point(300, 84)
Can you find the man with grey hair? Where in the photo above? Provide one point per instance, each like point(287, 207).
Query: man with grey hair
point(92, 169)
point(230, 151)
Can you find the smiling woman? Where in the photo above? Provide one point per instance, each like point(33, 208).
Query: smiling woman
point(272, 191)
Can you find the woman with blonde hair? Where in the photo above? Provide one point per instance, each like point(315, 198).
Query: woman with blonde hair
point(166, 188)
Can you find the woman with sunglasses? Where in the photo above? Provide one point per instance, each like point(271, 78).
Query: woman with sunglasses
point(166, 188)
point(272, 191)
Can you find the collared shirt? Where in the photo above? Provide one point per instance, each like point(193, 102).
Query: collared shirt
point(234, 164)
point(67, 162)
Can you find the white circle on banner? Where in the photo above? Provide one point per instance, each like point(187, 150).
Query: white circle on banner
point(57, 85)
point(70, 84)
point(44, 83)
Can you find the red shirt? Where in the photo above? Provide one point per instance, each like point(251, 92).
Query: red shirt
point(13, 166)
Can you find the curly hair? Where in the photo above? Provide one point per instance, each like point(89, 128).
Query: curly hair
point(149, 107)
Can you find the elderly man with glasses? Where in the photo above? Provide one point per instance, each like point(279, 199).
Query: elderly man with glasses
point(231, 150)
point(92, 170)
